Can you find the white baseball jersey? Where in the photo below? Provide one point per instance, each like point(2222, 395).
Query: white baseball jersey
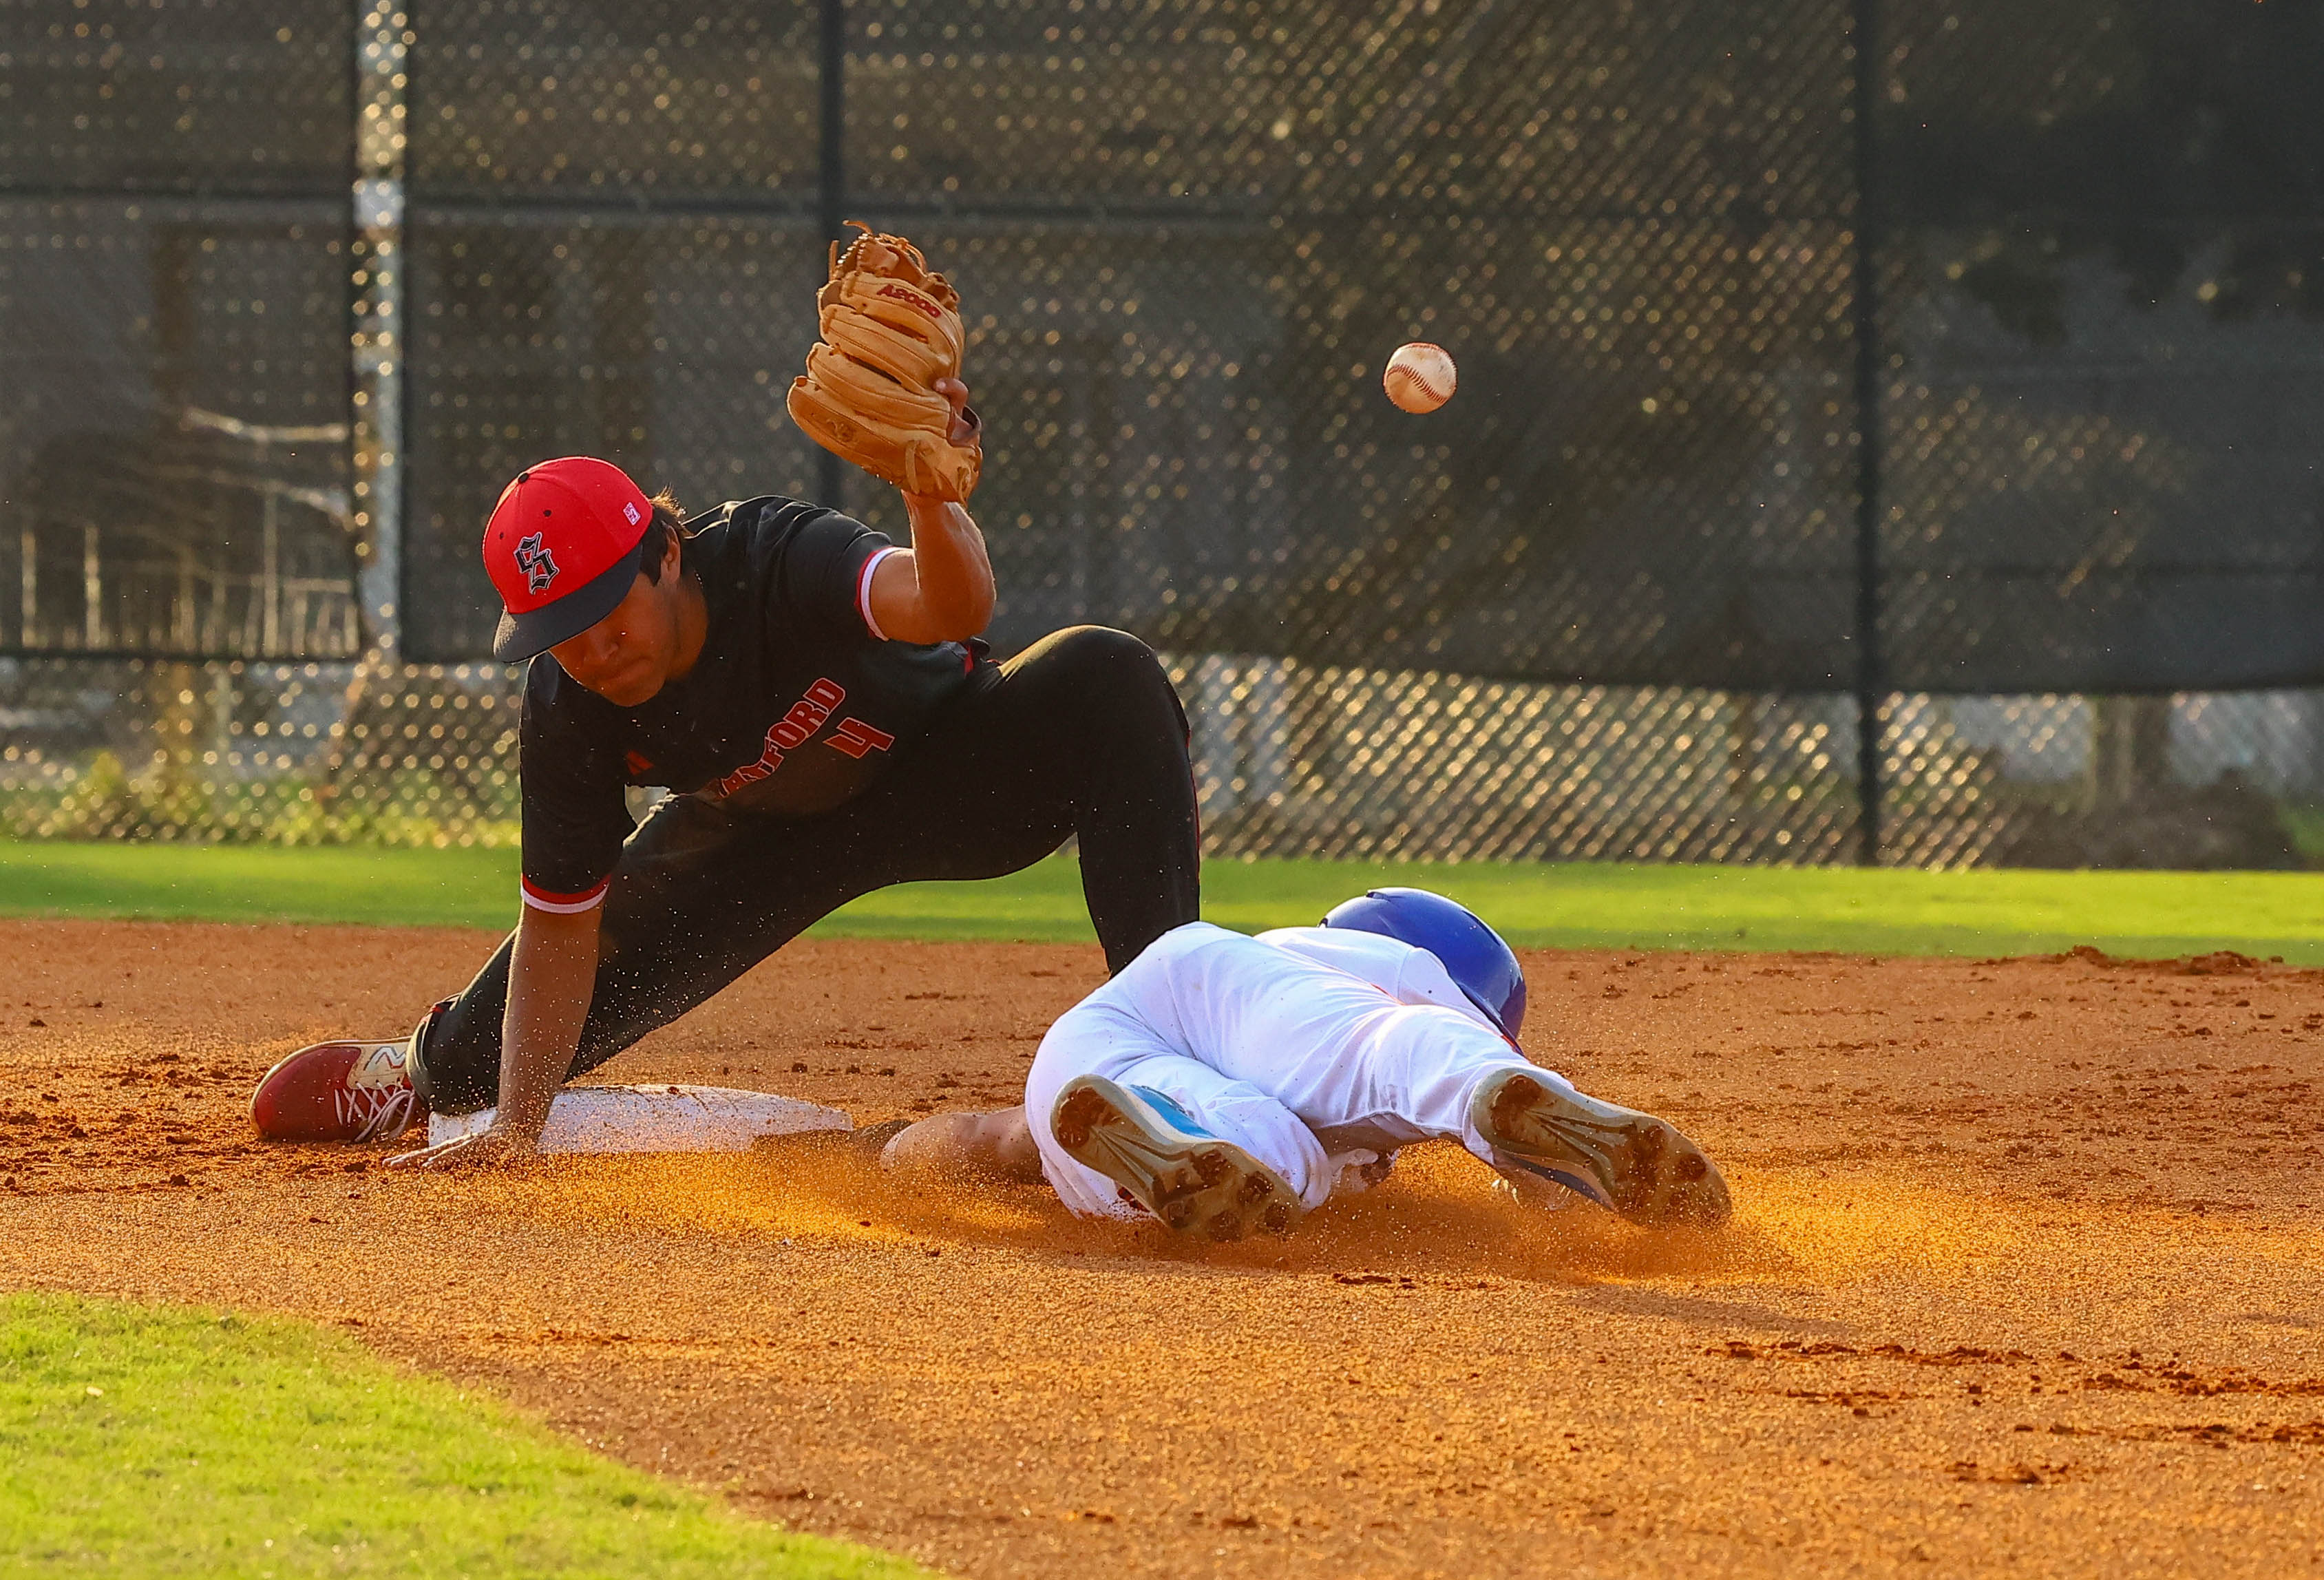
point(1269, 1041)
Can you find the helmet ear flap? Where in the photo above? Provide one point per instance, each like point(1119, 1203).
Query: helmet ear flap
point(1481, 963)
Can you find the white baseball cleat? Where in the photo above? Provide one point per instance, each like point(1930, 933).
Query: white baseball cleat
point(1197, 1183)
point(1626, 1161)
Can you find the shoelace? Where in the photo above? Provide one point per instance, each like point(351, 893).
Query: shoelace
point(376, 1111)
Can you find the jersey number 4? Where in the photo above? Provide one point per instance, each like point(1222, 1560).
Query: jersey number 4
point(855, 737)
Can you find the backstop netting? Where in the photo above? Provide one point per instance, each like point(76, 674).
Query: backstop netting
point(1883, 431)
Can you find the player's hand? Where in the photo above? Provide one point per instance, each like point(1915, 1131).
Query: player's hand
point(485, 1150)
point(992, 1147)
point(967, 429)
point(964, 424)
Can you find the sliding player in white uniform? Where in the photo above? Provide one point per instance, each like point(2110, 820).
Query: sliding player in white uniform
point(1224, 1082)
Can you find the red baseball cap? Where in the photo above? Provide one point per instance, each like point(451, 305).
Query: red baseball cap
point(562, 547)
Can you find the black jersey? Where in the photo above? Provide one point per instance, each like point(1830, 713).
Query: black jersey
point(796, 703)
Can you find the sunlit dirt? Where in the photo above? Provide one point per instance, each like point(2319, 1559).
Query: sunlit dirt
point(2027, 1274)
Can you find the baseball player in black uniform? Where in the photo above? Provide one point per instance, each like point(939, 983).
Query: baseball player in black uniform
point(817, 702)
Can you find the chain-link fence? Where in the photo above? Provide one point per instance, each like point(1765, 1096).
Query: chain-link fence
point(1918, 448)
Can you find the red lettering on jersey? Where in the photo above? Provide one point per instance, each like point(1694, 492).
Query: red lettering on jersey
point(751, 773)
point(806, 716)
point(804, 719)
point(855, 737)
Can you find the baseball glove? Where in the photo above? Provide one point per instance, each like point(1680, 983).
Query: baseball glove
point(890, 329)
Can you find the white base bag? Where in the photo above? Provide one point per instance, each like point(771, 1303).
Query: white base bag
point(658, 1119)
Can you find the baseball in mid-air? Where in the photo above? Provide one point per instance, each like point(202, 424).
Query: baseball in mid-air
point(1419, 376)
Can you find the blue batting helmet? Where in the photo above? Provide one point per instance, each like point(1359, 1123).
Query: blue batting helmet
point(1480, 964)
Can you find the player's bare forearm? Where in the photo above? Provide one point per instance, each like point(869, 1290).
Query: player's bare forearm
point(552, 973)
point(996, 1147)
point(952, 577)
point(942, 589)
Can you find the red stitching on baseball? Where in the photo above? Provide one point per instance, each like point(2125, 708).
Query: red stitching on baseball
point(1413, 374)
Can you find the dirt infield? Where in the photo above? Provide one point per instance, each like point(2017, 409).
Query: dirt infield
point(2028, 1273)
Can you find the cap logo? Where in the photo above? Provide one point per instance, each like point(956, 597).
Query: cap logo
point(630, 511)
point(533, 559)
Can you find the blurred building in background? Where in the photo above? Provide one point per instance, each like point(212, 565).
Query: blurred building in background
point(1907, 454)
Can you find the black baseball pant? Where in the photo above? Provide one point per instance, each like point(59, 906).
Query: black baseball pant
point(1079, 735)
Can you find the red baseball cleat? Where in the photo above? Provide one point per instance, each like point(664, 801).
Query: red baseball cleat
point(338, 1092)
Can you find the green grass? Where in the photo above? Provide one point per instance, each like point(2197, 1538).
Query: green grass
point(260, 883)
point(168, 1442)
point(1570, 906)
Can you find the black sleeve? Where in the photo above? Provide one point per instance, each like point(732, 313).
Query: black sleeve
point(818, 588)
point(576, 811)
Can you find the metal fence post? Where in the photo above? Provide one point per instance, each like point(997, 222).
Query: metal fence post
point(1871, 679)
point(831, 189)
point(378, 330)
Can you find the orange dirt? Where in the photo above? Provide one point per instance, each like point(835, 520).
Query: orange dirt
point(2027, 1274)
